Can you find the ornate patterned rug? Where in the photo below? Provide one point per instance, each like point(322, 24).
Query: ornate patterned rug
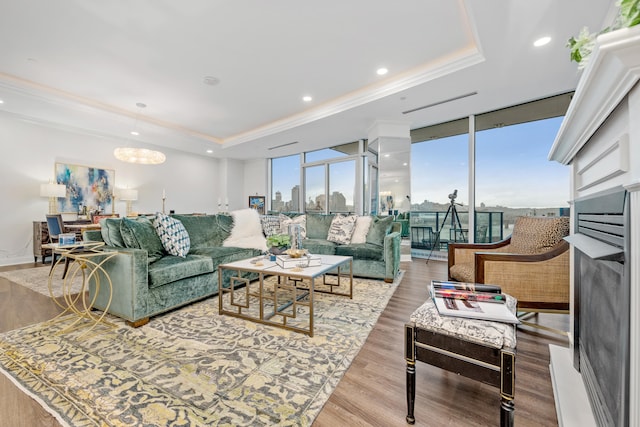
point(192, 366)
point(37, 279)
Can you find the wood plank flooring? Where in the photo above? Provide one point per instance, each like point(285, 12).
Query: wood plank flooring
point(372, 392)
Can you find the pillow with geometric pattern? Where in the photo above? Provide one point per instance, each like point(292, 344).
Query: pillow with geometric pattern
point(173, 235)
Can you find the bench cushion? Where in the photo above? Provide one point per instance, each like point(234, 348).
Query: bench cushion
point(491, 334)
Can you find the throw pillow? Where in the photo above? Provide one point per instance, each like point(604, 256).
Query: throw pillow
point(140, 234)
point(110, 230)
point(534, 235)
point(270, 224)
point(300, 219)
point(247, 231)
point(341, 229)
point(318, 226)
point(173, 235)
point(361, 229)
point(380, 227)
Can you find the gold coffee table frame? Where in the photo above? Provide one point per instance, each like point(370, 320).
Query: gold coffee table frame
point(86, 264)
point(287, 294)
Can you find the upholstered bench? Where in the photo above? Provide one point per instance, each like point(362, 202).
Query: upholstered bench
point(477, 349)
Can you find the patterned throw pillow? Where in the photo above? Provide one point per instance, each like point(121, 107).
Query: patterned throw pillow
point(270, 224)
point(173, 235)
point(534, 234)
point(341, 229)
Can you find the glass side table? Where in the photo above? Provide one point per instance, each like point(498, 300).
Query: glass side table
point(83, 263)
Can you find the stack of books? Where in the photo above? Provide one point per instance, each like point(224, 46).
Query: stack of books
point(471, 300)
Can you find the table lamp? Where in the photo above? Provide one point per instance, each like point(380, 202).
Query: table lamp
point(128, 195)
point(53, 192)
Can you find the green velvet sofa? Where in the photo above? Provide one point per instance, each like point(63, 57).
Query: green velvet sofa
point(378, 257)
point(147, 281)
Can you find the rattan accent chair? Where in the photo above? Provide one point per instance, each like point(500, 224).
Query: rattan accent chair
point(532, 264)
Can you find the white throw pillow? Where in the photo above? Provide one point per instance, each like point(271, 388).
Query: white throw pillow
point(173, 235)
point(361, 229)
point(341, 229)
point(286, 221)
point(246, 231)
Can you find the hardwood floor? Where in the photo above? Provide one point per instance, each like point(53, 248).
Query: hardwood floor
point(372, 392)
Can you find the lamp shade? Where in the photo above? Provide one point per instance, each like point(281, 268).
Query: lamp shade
point(53, 190)
point(128, 194)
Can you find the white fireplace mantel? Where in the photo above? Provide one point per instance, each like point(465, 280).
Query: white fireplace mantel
point(613, 69)
point(600, 139)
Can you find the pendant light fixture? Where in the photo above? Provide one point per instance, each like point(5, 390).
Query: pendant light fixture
point(141, 156)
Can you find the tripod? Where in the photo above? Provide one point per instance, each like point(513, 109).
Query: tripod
point(455, 219)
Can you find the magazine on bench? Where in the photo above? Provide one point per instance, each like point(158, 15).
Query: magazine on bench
point(453, 300)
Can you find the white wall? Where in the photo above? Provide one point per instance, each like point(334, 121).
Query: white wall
point(29, 152)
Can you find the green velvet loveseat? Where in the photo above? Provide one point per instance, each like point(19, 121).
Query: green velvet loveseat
point(147, 280)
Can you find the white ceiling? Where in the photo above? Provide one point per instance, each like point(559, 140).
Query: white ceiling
point(84, 64)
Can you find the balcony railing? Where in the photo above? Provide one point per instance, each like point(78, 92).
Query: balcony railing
point(434, 229)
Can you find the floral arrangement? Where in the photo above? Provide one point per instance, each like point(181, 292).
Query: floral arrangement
point(582, 45)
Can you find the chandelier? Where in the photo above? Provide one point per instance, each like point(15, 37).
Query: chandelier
point(141, 156)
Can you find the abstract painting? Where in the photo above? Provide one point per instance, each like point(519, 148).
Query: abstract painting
point(86, 186)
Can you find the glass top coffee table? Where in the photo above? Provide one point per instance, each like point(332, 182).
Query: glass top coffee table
point(281, 297)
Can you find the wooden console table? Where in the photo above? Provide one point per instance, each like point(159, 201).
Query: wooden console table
point(41, 237)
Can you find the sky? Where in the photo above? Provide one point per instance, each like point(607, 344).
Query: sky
point(512, 168)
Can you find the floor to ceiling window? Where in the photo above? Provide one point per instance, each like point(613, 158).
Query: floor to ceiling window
point(333, 180)
point(512, 178)
point(285, 184)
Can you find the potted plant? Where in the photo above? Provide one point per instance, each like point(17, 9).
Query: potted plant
point(582, 45)
point(278, 243)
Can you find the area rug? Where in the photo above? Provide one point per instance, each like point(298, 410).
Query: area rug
point(192, 366)
point(37, 279)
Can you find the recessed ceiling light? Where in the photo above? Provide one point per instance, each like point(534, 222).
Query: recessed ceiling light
point(209, 151)
point(382, 71)
point(405, 164)
point(1, 101)
point(136, 133)
point(307, 98)
point(542, 41)
point(387, 155)
point(210, 80)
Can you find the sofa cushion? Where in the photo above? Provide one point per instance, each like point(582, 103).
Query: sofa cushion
point(364, 251)
point(270, 224)
point(319, 246)
point(341, 229)
point(535, 235)
point(380, 227)
point(361, 229)
point(221, 254)
point(318, 226)
point(173, 235)
point(206, 230)
point(301, 220)
point(246, 231)
point(172, 268)
point(110, 230)
point(139, 234)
